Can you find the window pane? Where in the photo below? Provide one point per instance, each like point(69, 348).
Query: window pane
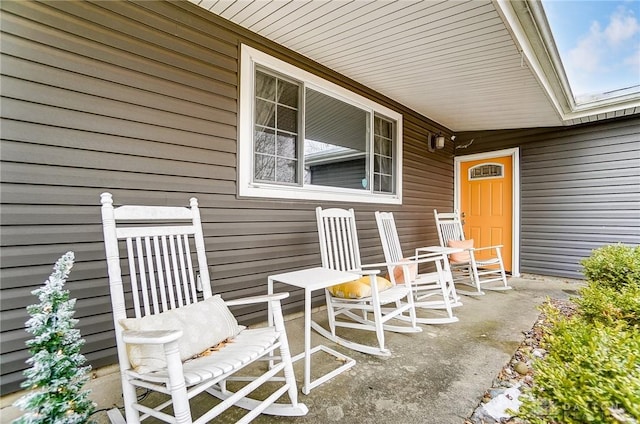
point(287, 146)
point(384, 184)
point(265, 140)
point(485, 171)
point(287, 93)
point(336, 142)
point(265, 113)
point(287, 119)
point(383, 146)
point(382, 165)
point(286, 170)
point(383, 128)
point(265, 86)
point(264, 168)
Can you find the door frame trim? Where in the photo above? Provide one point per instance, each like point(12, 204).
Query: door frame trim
point(515, 219)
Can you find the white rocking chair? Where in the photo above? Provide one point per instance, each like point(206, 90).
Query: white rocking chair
point(426, 286)
point(469, 269)
point(339, 250)
point(163, 309)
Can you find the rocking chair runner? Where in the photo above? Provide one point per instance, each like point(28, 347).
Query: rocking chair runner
point(176, 316)
point(426, 286)
point(473, 270)
point(339, 250)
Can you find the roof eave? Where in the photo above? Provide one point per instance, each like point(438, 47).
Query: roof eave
point(527, 22)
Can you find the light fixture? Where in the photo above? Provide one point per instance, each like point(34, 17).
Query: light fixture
point(435, 142)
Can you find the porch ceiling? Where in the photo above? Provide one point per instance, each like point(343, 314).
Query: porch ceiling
point(456, 62)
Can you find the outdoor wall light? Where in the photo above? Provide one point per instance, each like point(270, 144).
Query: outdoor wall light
point(435, 142)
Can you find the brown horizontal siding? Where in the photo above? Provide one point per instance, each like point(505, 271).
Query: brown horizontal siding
point(140, 99)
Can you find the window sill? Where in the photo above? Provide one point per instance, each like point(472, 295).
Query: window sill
point(321, 194)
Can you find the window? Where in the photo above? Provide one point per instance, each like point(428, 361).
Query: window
point(276, 129)
point(484, 171)
point(302, 137)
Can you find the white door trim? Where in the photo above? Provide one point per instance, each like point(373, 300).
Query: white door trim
point(515, 221)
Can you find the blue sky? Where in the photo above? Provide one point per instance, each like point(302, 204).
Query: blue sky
point(598, 41)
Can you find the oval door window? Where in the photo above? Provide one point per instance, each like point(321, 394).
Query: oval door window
point(486, 170)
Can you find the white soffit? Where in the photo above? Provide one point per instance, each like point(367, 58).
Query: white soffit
point(454, 62)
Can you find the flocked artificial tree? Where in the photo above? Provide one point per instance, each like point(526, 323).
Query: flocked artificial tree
point(56, 377)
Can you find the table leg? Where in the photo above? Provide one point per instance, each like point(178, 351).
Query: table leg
point(307, 342)
point(270, 314)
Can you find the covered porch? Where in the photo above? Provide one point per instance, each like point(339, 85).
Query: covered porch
point(437, 376)
point(142, 98)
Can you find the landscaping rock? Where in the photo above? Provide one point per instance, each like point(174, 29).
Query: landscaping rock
point(516, 373)
point(539, 352)
point(497, 407)
point(522, 368)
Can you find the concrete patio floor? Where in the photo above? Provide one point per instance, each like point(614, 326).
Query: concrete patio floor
point(436, 376)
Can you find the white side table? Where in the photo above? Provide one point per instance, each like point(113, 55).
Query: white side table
point(314, 279)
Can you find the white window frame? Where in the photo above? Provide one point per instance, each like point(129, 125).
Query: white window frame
point(249, 58)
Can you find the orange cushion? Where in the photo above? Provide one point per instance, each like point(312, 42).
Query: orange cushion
point(359, 288)
point(462, 244)
point(398, 272)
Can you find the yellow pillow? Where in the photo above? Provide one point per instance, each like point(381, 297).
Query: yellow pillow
point(462, 244)
point(398, 271)
point(359, 288)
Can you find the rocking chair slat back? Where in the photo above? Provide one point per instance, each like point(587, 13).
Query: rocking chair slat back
point(449, 227)
point(391, 242)
point(161, 266)
point(163, 263)
point(339, 247)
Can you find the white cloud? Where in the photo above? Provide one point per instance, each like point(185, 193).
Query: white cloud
point(599, 52)
point(622, 26)
point(587, 55)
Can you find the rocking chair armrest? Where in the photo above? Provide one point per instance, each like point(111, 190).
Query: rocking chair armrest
point(440, 251)
point(428, 255)
point(410, 260)
point(371, 271)
point(257, 299)
point(419, 258)
point(151, 337)
point(475, 249)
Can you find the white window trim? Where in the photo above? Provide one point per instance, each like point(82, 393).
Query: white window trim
point(249, 57)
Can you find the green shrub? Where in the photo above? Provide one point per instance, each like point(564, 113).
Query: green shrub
point(592, 371)
point(591, 374)
point(607, 305)
point(614, 266)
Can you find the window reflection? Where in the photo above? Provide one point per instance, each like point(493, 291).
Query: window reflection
point(335, 148)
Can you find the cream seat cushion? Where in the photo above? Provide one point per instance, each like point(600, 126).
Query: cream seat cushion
point(204, 324)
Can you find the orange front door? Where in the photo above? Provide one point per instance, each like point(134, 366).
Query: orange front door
point(486, 204)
